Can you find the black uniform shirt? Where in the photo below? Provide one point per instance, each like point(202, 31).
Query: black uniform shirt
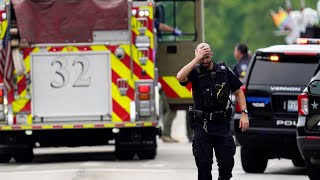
point(234, 84)
point(241, 67)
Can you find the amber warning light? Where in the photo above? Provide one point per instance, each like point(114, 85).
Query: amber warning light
point(274, 58)
point(302, 41)
point(144, 92)
point(308, 41)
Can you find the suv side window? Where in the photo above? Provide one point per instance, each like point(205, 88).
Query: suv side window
point(268, 72)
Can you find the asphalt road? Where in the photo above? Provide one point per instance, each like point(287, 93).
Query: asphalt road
point(174, 161)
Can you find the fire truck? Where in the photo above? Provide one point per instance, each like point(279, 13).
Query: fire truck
point(86, 73)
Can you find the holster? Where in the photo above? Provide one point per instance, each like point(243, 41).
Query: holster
point(193, 115)
point(199, 115)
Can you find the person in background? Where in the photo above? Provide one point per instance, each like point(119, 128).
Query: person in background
point(167, 119)
point(159, 23)
point(162, 27)
point(242, 57)
point(168, 113)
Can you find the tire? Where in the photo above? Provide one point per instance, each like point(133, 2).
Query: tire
point(5, 158)
point(253, 161)
point(124, 155)
point(24, 155)
point(313, 171)
point(298, 162)
point(150, 154)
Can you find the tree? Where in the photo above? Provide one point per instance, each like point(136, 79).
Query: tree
point(230, 21)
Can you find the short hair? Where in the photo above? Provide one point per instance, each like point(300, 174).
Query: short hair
point(243, 48)
point(201, 45)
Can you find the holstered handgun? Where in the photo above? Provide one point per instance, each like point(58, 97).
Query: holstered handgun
point(195, 113)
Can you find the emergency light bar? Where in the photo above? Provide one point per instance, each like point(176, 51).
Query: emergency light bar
point(289, 57)
point(307, 41)
point(268, 57)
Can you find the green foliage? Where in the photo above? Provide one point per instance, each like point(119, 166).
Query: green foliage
point(230, 21)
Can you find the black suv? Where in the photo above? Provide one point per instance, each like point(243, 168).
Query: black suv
point(276, 75)
point(308, 126)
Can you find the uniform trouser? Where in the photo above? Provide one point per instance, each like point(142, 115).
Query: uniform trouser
point(224, 148)
point(168, 114)
point(167, 121)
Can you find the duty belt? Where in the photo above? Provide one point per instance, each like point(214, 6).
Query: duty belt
point(214, 115)
point(209, 116)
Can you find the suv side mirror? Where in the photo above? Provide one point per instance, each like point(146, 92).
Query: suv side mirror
point(314, 87)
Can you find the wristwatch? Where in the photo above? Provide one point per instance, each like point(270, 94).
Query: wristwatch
point(244, 111)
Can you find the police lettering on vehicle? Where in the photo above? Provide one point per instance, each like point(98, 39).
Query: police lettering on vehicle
point(286, 123)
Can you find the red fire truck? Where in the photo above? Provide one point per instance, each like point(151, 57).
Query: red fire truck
point(85, 73)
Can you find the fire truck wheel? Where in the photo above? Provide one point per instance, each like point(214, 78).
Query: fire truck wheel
point(124, 155)
point(23, 155)
point(149, 154)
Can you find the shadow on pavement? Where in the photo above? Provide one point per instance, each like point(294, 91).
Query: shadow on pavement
point(74, 157)
point(289, 171)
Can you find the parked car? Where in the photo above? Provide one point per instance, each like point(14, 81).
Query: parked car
point(275, 77)
point(308, 126)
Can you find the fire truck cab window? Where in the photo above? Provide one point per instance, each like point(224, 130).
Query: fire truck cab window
point(177, 14)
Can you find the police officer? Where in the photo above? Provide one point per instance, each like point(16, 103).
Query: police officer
point(211, 113)
point(242, 57)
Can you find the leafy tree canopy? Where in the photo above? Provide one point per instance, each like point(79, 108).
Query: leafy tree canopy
point(249, 21)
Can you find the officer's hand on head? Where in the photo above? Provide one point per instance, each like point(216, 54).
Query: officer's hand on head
point(200, 53)
point(244, 122)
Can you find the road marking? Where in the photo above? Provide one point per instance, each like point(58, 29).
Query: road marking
point(155, 164)
point(94, 170)
point(91, 164)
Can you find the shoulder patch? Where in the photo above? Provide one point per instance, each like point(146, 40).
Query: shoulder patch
point(243, 67)
point(223, 67)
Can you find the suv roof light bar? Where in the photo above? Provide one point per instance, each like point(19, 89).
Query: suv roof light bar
point(307, 41)
point(300, 53)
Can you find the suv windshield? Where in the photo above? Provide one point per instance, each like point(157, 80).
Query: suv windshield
point(292, 70)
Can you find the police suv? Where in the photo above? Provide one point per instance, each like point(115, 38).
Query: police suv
point(276, 75)
point(308, 126)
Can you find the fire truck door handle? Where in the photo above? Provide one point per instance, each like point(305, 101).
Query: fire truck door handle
point(172, 49)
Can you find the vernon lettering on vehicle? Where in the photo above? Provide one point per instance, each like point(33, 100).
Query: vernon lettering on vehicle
point(284, 88)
